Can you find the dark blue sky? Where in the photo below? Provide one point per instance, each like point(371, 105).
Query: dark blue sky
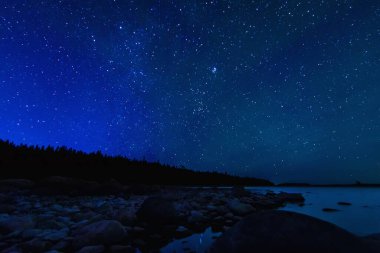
point(286, 90)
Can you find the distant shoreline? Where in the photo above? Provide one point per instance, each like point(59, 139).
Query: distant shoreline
point(328, 185)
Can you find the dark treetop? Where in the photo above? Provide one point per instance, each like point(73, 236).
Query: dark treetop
point(39, 162)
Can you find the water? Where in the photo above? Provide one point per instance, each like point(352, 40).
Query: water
point(361, 218)
point(198, 243)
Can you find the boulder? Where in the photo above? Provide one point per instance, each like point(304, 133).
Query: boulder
point(158, 211)
point(103, 232)
point(283, 231)
point(239, 208)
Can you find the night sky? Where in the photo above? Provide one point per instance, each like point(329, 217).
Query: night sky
point(285, 90)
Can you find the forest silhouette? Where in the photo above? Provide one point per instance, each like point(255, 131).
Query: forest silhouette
point(36, 162)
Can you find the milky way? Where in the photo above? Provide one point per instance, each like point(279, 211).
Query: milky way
point(286, 90)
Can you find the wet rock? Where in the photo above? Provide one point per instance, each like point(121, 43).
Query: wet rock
point(105, 232)
point(239, 208)
point(158, 211)
point(92, 249)
point(282, 231)
point(344, 203)
point(330, 210)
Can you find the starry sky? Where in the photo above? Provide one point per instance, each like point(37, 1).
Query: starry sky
point(285, 90)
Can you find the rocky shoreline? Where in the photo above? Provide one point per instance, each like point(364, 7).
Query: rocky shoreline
point(60, 214)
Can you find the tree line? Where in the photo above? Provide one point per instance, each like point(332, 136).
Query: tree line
point(35, 162)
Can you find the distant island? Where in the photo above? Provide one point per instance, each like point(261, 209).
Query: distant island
point(356, 184)
point(35, 162)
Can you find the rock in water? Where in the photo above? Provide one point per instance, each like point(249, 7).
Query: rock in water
point(158, 211)
point(330, 210)
point(342, 203)
point(283, 231)
point(101, 232)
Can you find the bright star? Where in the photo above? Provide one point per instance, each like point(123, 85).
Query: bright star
point(213, 70)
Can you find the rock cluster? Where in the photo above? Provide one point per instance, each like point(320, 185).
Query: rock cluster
point(33, 219)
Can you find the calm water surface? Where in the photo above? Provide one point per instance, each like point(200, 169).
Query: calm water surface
point(361, 218)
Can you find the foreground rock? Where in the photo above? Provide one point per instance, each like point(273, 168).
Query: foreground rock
point(101, 232)
point(158, 211)
point(70, 215)
point(282, 231)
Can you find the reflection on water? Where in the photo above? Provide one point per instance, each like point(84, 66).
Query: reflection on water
point(198, 243)
point(362, 217)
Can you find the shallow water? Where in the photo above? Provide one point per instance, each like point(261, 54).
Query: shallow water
point(361, 218)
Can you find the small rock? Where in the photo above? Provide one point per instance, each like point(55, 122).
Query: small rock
point(105, 232)
point(196, 217)
point(290, 197)
point(330, 210)
point(344, 203)
point(92, 249)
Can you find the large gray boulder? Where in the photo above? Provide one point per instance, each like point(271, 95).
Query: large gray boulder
point(282, 231)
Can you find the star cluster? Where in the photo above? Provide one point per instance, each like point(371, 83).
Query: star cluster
point(286, 90)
